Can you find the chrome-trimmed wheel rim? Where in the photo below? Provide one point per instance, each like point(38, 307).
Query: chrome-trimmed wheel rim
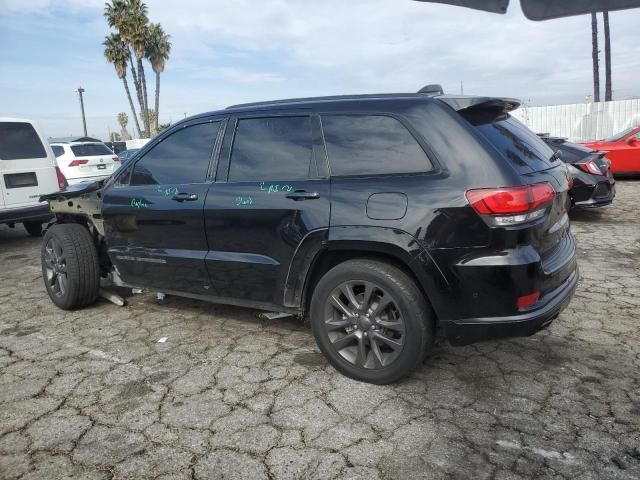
point(55, 267)
point(364, 324)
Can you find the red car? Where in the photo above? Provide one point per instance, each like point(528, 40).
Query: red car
point(623, 150)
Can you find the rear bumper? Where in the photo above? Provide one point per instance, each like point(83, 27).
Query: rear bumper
point(471, 330)
point(75, 181)
point(28, 214)
point(592, 196)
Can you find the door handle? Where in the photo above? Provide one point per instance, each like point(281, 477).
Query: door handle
point(184, 197)
point(302, 195)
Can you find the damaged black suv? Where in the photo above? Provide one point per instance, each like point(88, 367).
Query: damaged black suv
point(378, 217)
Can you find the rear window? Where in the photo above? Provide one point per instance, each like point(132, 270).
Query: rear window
point(90, 149)
point(526, 151)
point(19, 140)
point(371, 145)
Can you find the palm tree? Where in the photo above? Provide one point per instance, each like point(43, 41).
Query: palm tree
point(138, 33)
point(129, 18)
point(123, 120)
point(607, 58)
point(594, 57)
point(158, 49)
point(152, 118)
point(117, 53)
point(116, 15)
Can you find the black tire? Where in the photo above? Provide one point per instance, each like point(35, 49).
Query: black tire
point(409, 311)
point(33, 228)
point(70, 266)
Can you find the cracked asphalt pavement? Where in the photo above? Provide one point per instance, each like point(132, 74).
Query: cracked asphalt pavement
point(92, 394)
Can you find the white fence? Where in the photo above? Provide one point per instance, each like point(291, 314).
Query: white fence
point(582, 121)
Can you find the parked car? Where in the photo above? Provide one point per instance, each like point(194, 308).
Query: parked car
point(380, 217)
point(622, 149)
point(28, 170)
point(593, 183)
point(127, 154)
point(84, 159)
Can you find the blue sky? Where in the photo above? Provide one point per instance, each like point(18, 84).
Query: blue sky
point(226, 52)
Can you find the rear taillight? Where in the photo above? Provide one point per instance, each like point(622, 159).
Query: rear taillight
point(77, 163)
point(115, 159)
point(527, 300)
point(62, 182)
point(511, 205)
point(589, 166)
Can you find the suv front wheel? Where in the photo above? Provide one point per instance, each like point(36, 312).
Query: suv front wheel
point(70, 266)
point(371, 321)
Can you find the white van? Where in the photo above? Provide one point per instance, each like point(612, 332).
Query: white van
point(27, 170)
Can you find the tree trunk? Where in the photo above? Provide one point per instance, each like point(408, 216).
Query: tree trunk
point(594, 56)
point(136, 81)
point(157, 100)
point(607, 58)
point(143, 82)
point(133, 108)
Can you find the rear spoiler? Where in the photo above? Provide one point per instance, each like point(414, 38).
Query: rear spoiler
point(471, 103)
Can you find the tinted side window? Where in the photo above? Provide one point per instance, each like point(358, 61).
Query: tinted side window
point(19, 140)
point(180, 158)
point(523, 148)
point(371, 145)
point(272, 148)
point(57, 150)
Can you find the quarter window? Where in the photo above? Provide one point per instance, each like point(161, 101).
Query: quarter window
point(272, 148)
point(371, 145)
point(180, 158)
point(58, 151)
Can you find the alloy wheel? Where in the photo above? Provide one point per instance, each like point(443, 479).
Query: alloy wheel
point(364, 324)
point(55, 267)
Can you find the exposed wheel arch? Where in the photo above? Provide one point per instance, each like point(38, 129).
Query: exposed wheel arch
point(329, 258)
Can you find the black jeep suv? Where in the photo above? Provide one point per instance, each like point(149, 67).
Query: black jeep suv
point(380, 217)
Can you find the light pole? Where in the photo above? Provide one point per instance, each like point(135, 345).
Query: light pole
point(80, 91)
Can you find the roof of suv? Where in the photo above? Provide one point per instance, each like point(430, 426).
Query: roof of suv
point(74, 140)
point(457, 102)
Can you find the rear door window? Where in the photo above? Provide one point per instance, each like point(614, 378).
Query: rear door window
point(272, 148)
point(90, 150)
point(523, 148)
point(372, 145)
point(19, 140)
point(181, 158)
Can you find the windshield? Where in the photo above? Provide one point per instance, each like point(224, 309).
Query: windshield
point(620, 135)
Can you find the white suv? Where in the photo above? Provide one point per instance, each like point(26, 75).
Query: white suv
point(27, 170)
point(84, 159)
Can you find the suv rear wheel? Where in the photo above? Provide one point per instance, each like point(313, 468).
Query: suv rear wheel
point(371, 321)
point(70, 266)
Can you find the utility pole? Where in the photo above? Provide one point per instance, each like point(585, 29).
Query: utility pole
point(595, 57)
point(607, 58)
point(461, 88)
point(80, 91)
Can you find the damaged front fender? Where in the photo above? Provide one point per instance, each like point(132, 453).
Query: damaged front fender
point(83, 199)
